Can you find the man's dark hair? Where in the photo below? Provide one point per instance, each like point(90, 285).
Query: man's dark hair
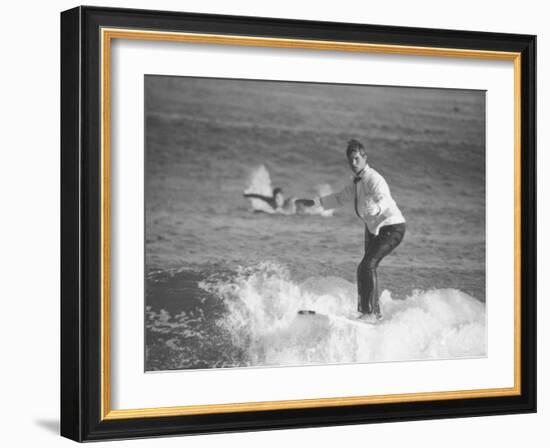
point(355, 146)
point(277, 190)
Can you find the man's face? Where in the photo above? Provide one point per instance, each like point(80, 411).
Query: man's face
point(357, 161)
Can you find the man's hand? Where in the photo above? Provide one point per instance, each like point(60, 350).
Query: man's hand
point(305, 202)
point(372, 208)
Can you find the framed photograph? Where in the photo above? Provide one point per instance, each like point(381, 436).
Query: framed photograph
point(273, 223)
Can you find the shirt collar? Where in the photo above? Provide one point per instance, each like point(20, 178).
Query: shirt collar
point(362, 174)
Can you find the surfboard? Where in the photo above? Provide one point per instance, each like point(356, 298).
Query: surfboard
point(312, 314)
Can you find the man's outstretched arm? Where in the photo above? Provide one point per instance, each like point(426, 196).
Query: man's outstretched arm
point(330, 201)
point(338, 199)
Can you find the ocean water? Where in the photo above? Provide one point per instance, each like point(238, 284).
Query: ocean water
point(224, 282)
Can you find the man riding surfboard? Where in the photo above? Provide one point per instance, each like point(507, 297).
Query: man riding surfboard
point(384, 223)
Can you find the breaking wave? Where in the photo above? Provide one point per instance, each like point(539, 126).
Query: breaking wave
point(262, 320)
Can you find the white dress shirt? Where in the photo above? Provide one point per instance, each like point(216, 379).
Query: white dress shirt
point(368, 190)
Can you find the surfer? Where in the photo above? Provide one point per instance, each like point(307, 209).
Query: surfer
point(277, 201)
point(384, 224)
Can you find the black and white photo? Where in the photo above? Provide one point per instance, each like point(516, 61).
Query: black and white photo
point(296, 223)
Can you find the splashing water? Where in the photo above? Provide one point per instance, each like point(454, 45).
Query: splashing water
point(322, 190)
point(259, 182)
point(262, 304)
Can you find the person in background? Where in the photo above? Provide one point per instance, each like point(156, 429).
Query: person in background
point(277, 201)
point(370, 197)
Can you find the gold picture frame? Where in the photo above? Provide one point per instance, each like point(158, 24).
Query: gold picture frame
point(98, 420)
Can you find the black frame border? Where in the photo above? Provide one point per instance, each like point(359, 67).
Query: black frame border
point(81, 223)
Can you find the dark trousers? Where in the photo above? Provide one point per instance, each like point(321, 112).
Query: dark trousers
point(376, 248)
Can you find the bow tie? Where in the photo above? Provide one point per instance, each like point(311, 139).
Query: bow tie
point(358, 176)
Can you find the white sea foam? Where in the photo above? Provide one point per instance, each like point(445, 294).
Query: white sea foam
point(262, 318)
point(259, 182)
point(322, 190)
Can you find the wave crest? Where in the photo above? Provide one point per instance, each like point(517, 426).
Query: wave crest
point(262, 304)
